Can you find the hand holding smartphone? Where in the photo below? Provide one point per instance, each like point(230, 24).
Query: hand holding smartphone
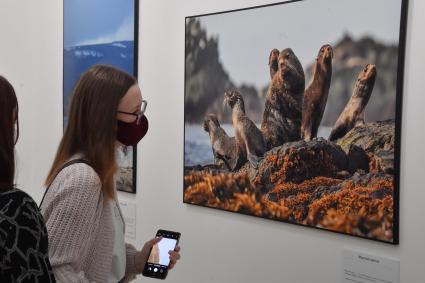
point(159, 259)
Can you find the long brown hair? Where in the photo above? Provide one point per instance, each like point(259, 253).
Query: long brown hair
point(92, 120)
point(8, 136)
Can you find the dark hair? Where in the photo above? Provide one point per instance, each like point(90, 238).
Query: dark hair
point(8, 136)
point(92, 123)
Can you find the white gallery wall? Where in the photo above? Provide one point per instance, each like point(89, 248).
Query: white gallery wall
point(217, 246)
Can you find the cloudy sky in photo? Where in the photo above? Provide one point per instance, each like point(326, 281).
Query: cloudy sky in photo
point(246, 37)
point(89, 22)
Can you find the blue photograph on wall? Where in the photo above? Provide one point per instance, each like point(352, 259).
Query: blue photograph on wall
point(101, 32)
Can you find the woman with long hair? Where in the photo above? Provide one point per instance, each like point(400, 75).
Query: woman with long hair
point(80, 206)
point(23, 235)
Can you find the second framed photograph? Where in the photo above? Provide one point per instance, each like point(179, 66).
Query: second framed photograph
point(293, 113)
point(102, 32)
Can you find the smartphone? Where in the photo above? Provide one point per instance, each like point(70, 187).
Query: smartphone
point(159, 259)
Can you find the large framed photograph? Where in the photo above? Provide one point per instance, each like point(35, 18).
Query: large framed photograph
point(293, 113)
point(101, 32)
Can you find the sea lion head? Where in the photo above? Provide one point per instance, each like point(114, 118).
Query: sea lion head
point(366, 80)
point(325, 54)
point(290, 69)
point(273, 62)
point(274, 57)
point(232, 97)
point(211, 122)
point(369, 72)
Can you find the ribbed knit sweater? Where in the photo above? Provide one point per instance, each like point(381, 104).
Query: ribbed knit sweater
point(79, 222)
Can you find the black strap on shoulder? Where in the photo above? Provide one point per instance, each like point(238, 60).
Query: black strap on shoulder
point(69, 163)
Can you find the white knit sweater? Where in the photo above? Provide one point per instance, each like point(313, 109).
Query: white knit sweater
point(79, 222)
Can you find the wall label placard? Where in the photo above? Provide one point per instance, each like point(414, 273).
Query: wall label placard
point(359, 267)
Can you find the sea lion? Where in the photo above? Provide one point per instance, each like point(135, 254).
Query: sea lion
point(316, 94)
point(273, 62)
point(360, 121)
point(353, 112)
point(249, 140)
point(223, 146)
point(282, 114)
point(154, 255)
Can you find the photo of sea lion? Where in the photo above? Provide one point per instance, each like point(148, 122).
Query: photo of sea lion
point(354, 110)
point(316, 94)
point(249, 140)
point(306, 130)
point(154, 255)
point(282, 114)
point(223, 146)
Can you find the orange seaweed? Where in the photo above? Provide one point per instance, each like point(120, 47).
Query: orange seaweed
point(364, 209)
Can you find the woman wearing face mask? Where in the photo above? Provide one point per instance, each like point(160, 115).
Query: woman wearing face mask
point(23, 235)
point(86, 229)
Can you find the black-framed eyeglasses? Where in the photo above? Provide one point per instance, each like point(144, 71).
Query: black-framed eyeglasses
point(139, 114)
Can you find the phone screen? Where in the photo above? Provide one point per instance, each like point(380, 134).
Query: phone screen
point(159, 254)
point(159, 258)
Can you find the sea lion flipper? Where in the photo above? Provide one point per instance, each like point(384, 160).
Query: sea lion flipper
point(254, 160)
point(225, 161)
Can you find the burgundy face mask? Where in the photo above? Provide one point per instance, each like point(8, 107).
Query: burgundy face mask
point(129, 134)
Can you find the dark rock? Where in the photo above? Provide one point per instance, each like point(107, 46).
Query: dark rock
point(383, 161)
point(323, 191)
point(272, 196)
point(365, 180)
point(377, 141)
point(357, 159)
point(372, 137)
point(379, 194)
point(299, 161)
point(209, 168)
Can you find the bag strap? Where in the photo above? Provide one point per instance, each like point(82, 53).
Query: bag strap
point(69, 163)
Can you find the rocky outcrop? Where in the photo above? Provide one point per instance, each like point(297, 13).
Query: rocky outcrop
point(371, 137)
point(345, 186)
point(357, 159)
point(207, 79)
point(232, 192)
point(382, 161)
point(377, 140)
point(361, 205)
point(299, 161)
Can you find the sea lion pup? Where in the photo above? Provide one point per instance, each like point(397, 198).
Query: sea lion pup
point(282, 114)
point(249, 140)
point(223, 146)
point(316, 94)
point(273, 62)
point(353, 112)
